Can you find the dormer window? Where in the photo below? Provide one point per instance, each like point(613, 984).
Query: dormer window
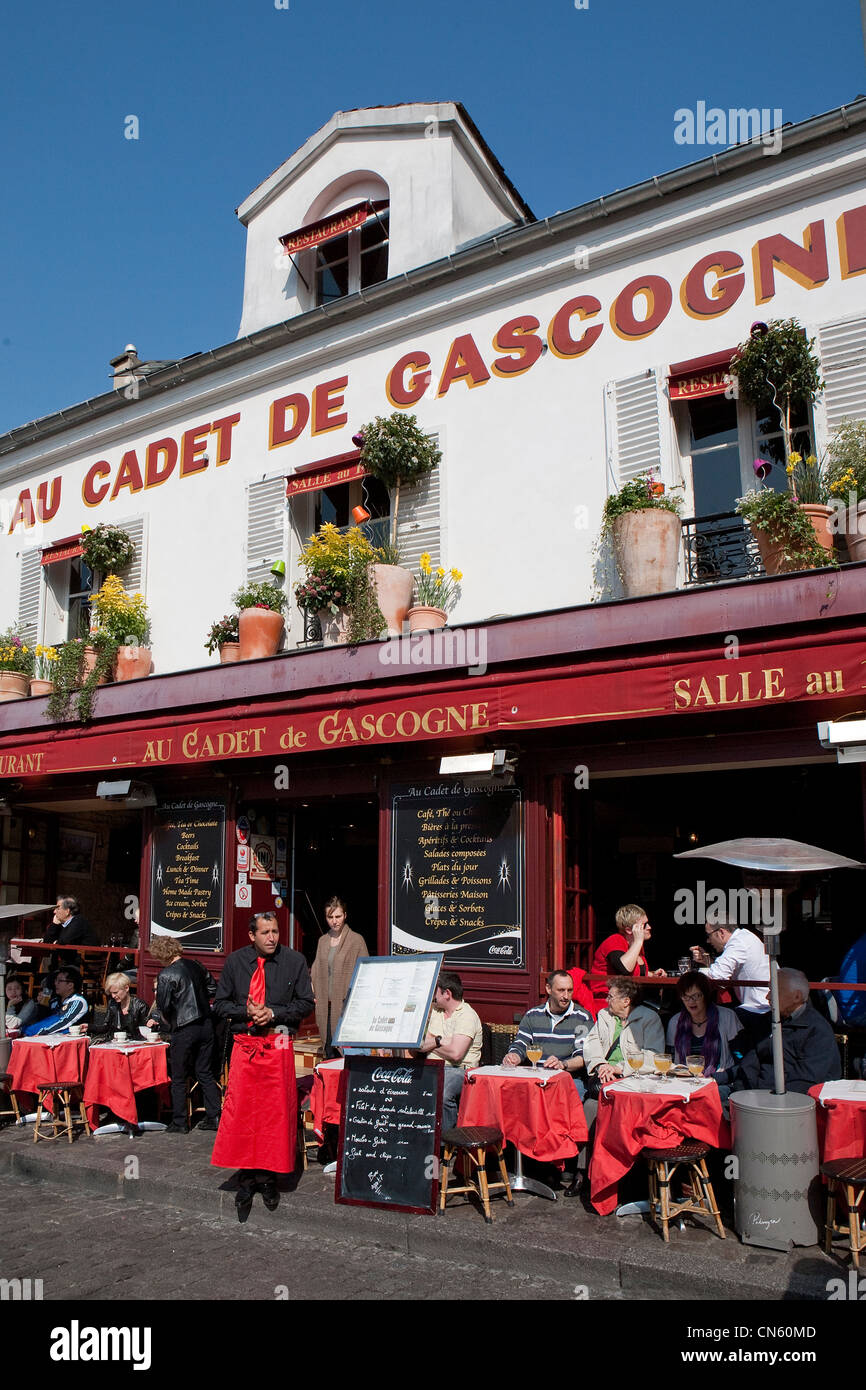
point(351, 262)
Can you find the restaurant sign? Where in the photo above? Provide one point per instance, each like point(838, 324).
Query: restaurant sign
point(538, 700)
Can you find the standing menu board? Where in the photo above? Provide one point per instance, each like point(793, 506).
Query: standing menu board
point(457, 873)
point(389, 1135)
point(187, 859)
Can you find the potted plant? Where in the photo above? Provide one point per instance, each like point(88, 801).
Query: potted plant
point(260, 620)
point(339, 586)
point(106, 548)
point(82, 665)
point(16, 665)
point(846, 473)
point(644, 525)
point(42, 680)
point(437, 593)
point(777, 366)
point(783, 531)
point(808, 481)
point(223, 636)
point(396, 450)
point(124, 618)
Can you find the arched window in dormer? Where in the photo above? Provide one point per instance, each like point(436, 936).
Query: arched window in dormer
point(346, 234)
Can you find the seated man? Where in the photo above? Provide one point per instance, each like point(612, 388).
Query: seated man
point(66, 1006)
point(69, 928)
point(454, 1034)
point(558, 1027)
point(809, 1049)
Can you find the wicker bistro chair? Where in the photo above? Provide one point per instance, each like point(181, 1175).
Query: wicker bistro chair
point(850, 1175)
point(65, 1097)
point(9, 1096)
point(474, 1142)
point(662, 1164)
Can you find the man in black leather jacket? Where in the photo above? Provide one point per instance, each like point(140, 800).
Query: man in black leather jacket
point(184, 990)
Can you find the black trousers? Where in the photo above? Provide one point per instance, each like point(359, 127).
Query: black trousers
point(191, 1052)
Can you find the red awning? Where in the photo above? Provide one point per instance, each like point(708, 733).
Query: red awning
point(66, 549)
point(700, 376)
point(312, 477)
point(335, 225)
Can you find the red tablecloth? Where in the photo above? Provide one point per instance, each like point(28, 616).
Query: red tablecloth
point(544, 1121)
point(36, 1063)
point(113, 1077)
point(325, 1097)
point(628, 1122)
point(841, 1127)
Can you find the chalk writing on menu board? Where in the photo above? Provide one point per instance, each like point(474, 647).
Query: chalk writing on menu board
point(457, 873)
point(389, 1137)
point(187, 863)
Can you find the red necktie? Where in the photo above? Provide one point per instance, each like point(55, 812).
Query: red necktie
point(257, 983)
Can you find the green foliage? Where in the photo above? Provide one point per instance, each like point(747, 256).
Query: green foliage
point(70, 680)
point(846, 459)
point(225, 629)
point(107, 547)
point(638, 495)
point(260, 594)
point(123, 616)
point(779, 516)
point(778, 367)
point(397, 451)
point(365, 616)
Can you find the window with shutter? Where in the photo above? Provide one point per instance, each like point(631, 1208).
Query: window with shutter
point(30, 594)
point(634, 436)
point(419, 520)
point(842, 347)
point(135, 575)
point(266, 527)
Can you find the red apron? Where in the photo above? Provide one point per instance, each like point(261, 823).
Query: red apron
point(259, 1123)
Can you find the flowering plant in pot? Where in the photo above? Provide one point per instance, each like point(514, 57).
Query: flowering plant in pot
point(437, 592)
point(260, 621)
point(124, 618)
point(783, 531)
point(42, 680)
point(339, 585)
point(223, 637)
point(106, 547)
point(642, 520)
point(16, 665)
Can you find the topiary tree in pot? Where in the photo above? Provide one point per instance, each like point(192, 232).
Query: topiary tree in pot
point(776, 365)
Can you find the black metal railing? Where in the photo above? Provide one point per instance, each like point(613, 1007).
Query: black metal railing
point(719, 547)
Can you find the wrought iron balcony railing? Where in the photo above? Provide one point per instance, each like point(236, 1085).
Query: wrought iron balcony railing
point(719, 547)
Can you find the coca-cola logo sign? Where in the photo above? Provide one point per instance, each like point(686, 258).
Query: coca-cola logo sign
point(400, 1074)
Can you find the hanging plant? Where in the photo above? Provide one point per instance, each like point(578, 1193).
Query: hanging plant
point(106, 547)
point(397, 452)
point(71, 680)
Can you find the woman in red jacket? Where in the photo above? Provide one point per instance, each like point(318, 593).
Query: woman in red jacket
point(622, 953)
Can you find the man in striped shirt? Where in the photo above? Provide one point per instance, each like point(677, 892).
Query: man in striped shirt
point(558, 1027)
point(68, 1005)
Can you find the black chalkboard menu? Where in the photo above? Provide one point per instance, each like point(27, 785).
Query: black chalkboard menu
point(186, 873)
point(457, 873)
point(389, 1134)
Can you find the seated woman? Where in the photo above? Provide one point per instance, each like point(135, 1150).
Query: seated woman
point(126, 1012)
point(20, 1011)
point(701, 1026)
point(622, 953)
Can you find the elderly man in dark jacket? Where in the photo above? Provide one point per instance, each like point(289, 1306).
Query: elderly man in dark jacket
point(809, 1048)
point(183, 994)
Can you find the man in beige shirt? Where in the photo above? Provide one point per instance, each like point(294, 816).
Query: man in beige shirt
point(454, 1035)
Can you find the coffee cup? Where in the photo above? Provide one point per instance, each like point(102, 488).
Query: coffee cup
point(120, 1037)
point(75, 1030)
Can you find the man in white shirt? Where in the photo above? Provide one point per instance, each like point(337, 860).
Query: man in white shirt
point(740, 956)
point(454, 1034)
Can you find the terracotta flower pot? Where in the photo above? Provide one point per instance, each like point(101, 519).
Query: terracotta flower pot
point(38, 687)
point(393, 586)
point(133, 663)
point(647, 547)
point(90, 658)
point(819, 517)
point(229, 651)
point(857, 544)
point(335, 627)
point(14, 685)
point(260, 631)
point(422, 617)
point(772, 552)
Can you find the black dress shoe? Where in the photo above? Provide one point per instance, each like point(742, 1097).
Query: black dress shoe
point(208, 1124)
point(271, 1196)
point(574, 1187)
point(244, 1202)
point(175, 1128)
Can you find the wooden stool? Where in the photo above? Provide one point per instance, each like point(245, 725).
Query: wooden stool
point(62, 1094)
point(473, 1142)
point(850, 1174)
point(10, 1096)
point(307, 1138)
point(662, 1164)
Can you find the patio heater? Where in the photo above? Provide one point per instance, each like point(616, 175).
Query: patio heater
point(776, 1198)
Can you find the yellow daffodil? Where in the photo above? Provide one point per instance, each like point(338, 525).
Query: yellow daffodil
point(457, 575)
point(795, 458)
point(789, 469)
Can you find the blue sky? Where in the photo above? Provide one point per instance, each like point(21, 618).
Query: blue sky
point(106, 240)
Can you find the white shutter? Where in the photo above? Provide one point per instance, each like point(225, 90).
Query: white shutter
point(634, 442)
point(266, 526)
point(135, 574)
point(419, 521)
point(843, 361)
point(30, 594)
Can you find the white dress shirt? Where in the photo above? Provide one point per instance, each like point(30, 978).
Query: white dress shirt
point(744, 958)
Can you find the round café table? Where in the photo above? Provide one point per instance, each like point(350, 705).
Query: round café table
point(645, 1112)
point(116, 1071)
point(841, 1114)
point(56, 1059)
point(537, 1110)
